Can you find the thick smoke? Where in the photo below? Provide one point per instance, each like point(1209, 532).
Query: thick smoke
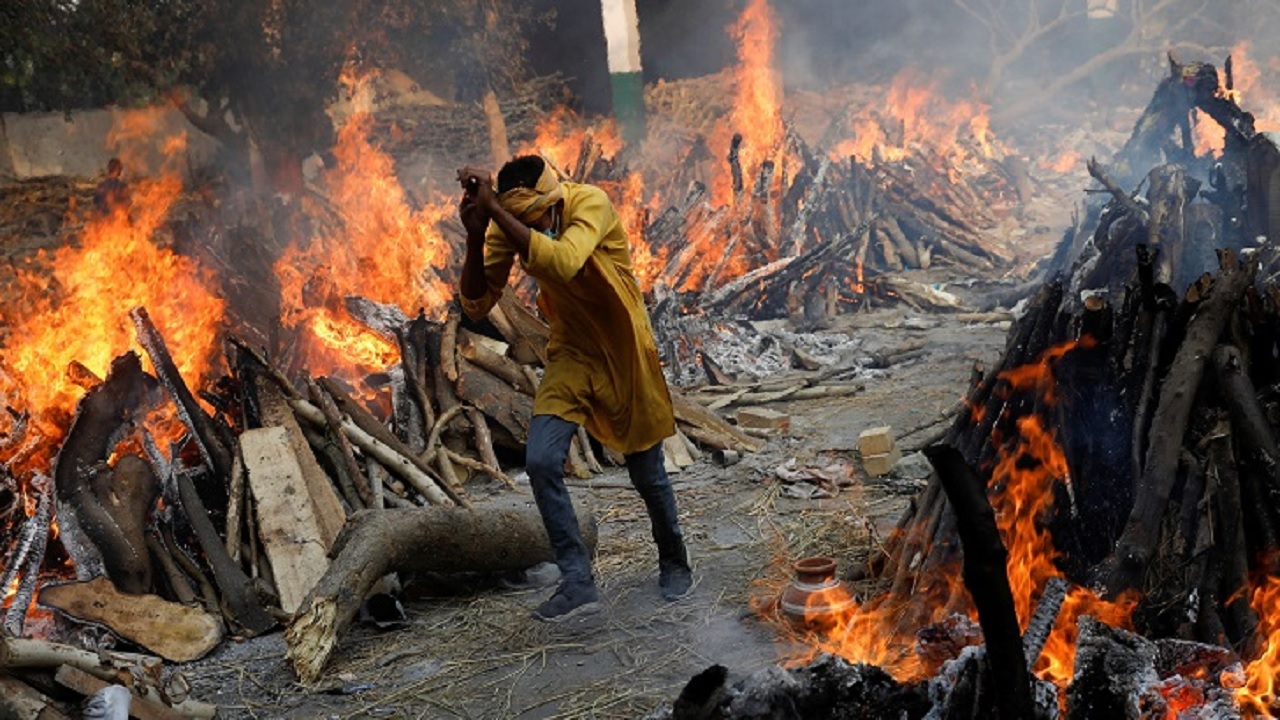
point(1006, 51)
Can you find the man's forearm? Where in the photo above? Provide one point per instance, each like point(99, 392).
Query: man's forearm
point(474, 284)
point(516, 232)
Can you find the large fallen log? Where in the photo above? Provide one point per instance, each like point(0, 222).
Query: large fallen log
point(439, 539)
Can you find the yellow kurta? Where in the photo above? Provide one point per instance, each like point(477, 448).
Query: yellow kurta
point(602, 364)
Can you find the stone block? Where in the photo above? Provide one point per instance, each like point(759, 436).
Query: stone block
point(882, 463)
point(876, 441)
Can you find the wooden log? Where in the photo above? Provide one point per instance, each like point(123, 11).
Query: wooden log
point(326, 448)
point(85, 484)
point(1112, 667)
point(207, 439)
point(419, 540)
point(113, 665)
point(179, 584)
point(697, 416)
point(1136, 544)
point(529, 335)
point(28, 558)
point(406, 418)
point(499, 365)
point(448, 341)
point(382, 446)
point(1042, 621)
point(1248, 417)
point(235, 505)
point(333, 420)
point(173, 631)
point(1228, 536)
point(508, 407)
point(208, 594)
point(1149, 364)
point(20, 701)
point(240, 606)
point(484, 445)
point(146, 703)
point(418, 375)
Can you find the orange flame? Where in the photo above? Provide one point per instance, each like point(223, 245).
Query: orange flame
point(1024, 477)
point(1022, 482)
point(1257, 698)
point(1209, 137)
point(383, 250)
point(916, 113)
point(1066, 162)
point(121, 261)
point(757, 103)
point(1263, 99)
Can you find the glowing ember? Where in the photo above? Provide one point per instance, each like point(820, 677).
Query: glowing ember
point(383, 251)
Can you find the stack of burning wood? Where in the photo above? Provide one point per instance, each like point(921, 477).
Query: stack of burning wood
point(1112, 490)
point(819, 228)
point(291, 501)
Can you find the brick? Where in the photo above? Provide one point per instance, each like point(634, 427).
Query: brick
point(763, 418)
point(879, 464)
point(876, 441)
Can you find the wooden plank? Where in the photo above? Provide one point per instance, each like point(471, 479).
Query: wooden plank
point(287, 519)
point(328, 509)
point(171, 630)
point(674, 448)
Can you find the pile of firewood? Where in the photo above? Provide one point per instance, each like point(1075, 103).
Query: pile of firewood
point(1165, 409)
point(294, 499)
point(821, 230)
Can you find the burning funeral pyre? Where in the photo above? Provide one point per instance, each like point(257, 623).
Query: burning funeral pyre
point(1098, 537)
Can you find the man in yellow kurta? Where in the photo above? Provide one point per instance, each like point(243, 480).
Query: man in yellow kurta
point(602, 363)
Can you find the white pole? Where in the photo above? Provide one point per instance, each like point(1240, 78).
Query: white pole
point(622, 37)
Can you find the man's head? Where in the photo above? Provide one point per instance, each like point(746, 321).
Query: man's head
point(522, 171)
point(529, 188)
point(114, 167)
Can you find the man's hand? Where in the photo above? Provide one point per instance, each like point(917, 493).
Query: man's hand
point(474, 218)
point(477, 183)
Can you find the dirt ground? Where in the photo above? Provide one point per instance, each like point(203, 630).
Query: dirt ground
point(471, 650)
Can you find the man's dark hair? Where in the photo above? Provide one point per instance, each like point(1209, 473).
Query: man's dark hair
point(522, 171)
point(114, 166)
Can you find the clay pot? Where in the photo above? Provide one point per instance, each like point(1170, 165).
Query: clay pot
point(815, 598)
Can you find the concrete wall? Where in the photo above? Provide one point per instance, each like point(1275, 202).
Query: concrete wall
point(38, 144)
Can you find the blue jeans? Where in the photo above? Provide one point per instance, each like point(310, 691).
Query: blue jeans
point(548, 446)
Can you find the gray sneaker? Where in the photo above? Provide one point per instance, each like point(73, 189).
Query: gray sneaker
point(570, 600)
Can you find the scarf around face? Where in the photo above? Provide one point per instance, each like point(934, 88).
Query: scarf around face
point(528, 204)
